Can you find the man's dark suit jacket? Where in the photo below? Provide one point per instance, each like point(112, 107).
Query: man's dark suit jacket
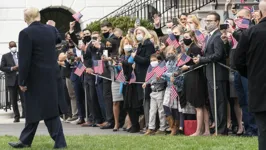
point(250, 59)
point(215, 52)
point(6, 63)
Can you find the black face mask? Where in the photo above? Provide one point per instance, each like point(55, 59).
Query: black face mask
point(187, 42)
point(177, 37)
point(106, 35)
point(86, 39)
point(109, 48)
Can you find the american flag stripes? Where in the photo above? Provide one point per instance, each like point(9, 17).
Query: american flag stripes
point(160, 69)
point(183, 60)
point(98, 66)
point(80, 69)
point(242, 23)
point(200, 37)
point(149, 74)
point(173, 93)
point(120, 77)
point(171, 40)
point(234, 42)
point(132, 78)
point(77, 16)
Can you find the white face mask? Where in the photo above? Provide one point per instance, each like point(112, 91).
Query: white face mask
point(13, 49)
point(154, 63)
point(139, 37)
point(169, 31)
point(192, 27)
point(127, 48)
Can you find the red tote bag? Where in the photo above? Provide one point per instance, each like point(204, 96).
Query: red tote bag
point(190, 127)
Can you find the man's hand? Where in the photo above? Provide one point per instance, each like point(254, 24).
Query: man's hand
point(228, 2)
point(97, 44)
point(89, 70)
point(15, 68)
point(51, 23)
point(71, 26)
point(184, 68)
point(144, 85)
point(23, 88)
point(196, 60)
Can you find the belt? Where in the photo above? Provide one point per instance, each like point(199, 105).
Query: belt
point(158, 90)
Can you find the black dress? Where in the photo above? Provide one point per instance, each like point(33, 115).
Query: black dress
point(195, 83)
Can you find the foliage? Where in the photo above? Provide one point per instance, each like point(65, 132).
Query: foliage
point(126, 142)
point(123, 22)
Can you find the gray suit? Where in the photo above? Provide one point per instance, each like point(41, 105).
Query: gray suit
point(215, 52)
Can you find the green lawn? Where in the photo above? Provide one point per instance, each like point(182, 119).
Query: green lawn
point(141, 143)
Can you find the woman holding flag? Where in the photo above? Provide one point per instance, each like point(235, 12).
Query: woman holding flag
point(195, 87)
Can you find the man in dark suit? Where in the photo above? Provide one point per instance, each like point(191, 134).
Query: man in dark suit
point(9, 65)
point(249, 59)
point(39, 78)
point(215, 52)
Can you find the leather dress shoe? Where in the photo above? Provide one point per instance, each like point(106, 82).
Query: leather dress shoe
point(107, 126)
point(18, 145)
point(16, 120)
point(87, 124)
point(81, 121)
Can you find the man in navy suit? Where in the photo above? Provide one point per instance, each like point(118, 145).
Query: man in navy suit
point(39, 78)
point(214, 52)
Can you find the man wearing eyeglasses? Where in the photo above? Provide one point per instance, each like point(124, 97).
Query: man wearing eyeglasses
point(214, 52)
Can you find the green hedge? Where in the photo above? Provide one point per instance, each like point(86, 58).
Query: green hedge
point(124, 23)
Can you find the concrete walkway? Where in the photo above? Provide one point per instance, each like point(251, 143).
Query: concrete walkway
point(7, 127)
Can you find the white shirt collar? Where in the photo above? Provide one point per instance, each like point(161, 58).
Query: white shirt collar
point(211, 33)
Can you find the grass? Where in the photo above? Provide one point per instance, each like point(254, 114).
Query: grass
point(121, 142)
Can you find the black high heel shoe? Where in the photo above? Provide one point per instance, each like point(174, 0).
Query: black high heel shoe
point(115, 130)
point(242, 133)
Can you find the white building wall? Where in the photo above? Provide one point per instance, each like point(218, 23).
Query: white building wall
point(12, 22)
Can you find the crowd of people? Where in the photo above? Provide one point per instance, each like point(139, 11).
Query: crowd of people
point(167, 78)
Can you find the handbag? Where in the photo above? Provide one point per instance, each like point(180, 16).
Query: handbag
point(190, 127)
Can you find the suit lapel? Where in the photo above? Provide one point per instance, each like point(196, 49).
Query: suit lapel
point(210, 40)
point(11, 58)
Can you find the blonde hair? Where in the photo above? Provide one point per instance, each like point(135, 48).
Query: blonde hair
point(170, 47)
point(155, 37)
point(122, 44)
point(119, 31)
point(195, 20)
point(147, 35)
point(32, 14)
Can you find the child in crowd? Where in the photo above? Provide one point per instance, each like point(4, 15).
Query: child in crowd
point(157, 95)
point(170, 105)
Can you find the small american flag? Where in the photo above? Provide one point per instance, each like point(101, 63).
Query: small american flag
point(80, 69)
point(77, 16)
point(183, 60)
point(173, 93)
point(200, 37)
point(98, 66)
point(160, 69)
point(120, 77)
point(149, 74)
point(132, 78)
point(242, 23)
point(171, 40)
point(234, 42)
